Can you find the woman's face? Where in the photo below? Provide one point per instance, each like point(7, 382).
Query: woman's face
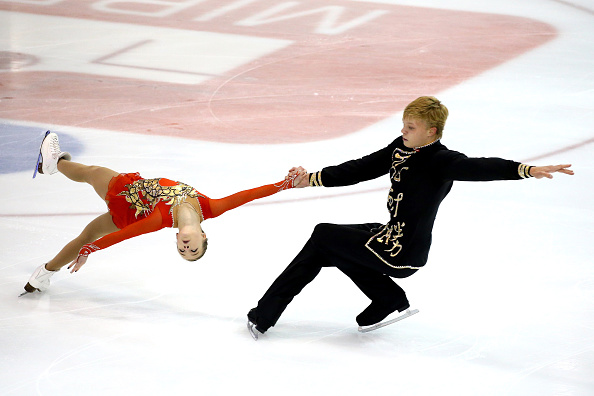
point(190, 244)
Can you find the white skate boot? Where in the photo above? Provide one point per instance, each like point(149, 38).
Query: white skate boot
point(40, 280)
point(50, 154)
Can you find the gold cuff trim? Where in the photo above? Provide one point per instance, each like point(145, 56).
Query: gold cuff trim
point(315, 179)
point(524, 171)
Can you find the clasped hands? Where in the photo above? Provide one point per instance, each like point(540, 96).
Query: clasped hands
point(300, 176)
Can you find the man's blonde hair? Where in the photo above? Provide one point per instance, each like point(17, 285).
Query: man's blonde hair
point(430, 110)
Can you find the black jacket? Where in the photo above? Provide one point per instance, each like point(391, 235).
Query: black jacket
point(421, 179)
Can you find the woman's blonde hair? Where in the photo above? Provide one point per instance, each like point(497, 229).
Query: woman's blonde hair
point(430, 110)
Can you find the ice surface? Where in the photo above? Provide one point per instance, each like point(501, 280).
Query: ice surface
point(506, 300)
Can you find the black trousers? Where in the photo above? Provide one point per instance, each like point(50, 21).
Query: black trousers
point(340, 246)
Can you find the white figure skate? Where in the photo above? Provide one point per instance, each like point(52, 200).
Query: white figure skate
point(49, 155)
point(39, 281)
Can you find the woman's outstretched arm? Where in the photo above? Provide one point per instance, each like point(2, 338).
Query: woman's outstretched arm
point(222, 205)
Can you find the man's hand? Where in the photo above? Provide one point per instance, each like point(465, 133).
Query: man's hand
point(546, 171)
point(301, 179)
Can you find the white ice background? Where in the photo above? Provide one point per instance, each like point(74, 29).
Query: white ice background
point(506, 300)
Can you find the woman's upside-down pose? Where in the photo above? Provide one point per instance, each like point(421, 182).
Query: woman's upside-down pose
point(136, 206)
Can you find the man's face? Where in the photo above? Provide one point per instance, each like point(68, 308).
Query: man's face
point(415, 133)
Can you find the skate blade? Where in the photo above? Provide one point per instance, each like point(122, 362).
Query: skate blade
point(28, 290)
point(406, 314)
point(38, 164)
point(252, 329)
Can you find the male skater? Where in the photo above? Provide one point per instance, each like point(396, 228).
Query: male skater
point(422, 171)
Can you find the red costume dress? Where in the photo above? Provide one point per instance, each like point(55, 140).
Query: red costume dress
point(139, 206)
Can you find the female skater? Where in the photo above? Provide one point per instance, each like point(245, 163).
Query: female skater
point(135, 206)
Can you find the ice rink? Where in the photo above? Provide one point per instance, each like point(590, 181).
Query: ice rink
point(228, 95)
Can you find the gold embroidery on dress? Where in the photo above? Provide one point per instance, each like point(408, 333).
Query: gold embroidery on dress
point(145, 194)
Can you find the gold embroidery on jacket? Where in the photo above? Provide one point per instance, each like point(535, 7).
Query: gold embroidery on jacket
point(400, 156)
point(388, 237)
point(393, 202)
point(396, 173)
point(315, 179)
point(386, 243)
point(524, 171)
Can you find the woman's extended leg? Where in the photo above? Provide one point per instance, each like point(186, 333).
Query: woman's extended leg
point(97, 176)
point(53, 160)
point(40, 280)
